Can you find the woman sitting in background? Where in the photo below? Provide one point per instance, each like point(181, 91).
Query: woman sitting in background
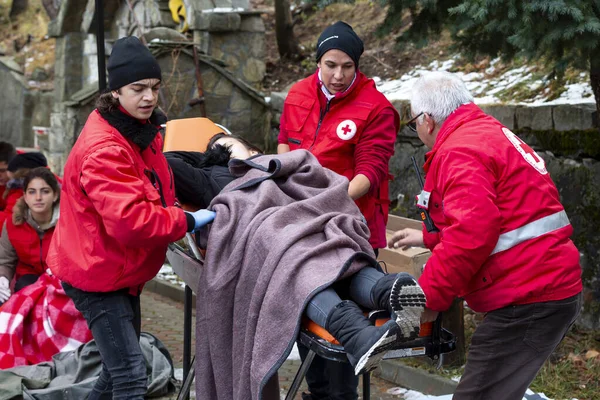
point(26, 234)
point(40, 320)
point(17, 168)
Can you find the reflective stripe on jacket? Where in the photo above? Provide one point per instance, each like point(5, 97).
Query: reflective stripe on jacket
point(116, 211)
point(504, 235)
point(353, 134)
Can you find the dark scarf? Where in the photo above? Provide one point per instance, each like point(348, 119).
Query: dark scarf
point(131, 128)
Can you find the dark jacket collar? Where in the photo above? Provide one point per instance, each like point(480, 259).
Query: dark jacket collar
point(141, 133)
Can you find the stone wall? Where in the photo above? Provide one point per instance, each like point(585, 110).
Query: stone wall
point(228, 100)
point(235, 38)
point(21, 108)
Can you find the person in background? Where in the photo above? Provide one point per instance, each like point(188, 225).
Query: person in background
point(27, 234)
point(339, 115)
point(18, 167)
point(118, 215)
point(502, 241)
point(7, 152)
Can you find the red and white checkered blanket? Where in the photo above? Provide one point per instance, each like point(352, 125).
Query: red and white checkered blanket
point(38, 322)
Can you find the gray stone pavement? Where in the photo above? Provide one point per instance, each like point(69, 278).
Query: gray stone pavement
point(163, 317)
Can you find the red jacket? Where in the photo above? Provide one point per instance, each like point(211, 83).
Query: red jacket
point(13, 196)
point(353, 134)
point(504, 235)
point(115, 223)
point(30, 244)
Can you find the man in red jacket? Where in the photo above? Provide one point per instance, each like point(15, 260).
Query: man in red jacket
point(339, 116)
point(117, 216)
point(502, 240)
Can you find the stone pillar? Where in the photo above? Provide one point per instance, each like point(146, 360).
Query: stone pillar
point(68, 77)
point(236, 38)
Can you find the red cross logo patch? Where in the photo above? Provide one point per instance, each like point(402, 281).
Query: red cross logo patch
point(527, 152)
point(346, 130)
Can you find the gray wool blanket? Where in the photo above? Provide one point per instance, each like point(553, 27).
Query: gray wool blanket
point(284, 230)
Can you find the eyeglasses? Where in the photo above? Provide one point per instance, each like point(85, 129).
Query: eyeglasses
point(412, 124)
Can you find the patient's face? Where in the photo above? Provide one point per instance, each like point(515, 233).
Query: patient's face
point(238, 149)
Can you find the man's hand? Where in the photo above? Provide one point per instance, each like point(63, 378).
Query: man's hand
point(428, 315)
point(4, 289)
point(407, 237)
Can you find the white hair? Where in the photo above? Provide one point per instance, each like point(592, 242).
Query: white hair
point(439, 94)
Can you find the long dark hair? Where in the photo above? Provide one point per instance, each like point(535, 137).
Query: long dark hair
point(243, 141)
point(45, 174)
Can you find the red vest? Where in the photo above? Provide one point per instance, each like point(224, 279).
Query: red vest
point(30, 249)
point(333, 135)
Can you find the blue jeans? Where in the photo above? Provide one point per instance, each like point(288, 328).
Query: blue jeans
point(115, 321)
point(359, 291)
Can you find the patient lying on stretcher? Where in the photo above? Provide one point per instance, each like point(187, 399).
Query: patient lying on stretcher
point(199, 177)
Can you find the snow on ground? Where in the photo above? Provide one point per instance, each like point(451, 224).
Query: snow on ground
point(414, 395)
point(486, 87)
point(166, 274)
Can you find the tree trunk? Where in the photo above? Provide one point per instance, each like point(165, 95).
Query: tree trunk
point(287, 43)
point(454, 321)
point(17, 7)
point(595, 83)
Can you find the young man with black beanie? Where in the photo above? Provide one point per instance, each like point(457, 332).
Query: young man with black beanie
point(117, 216)
point(338, 115)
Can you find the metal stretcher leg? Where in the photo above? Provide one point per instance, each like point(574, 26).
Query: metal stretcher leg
point(187, 335)
point(366, 386)
point(300, 375)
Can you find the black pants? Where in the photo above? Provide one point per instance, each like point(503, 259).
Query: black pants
point(115, 321)
point(330, 380)
point(511, 345)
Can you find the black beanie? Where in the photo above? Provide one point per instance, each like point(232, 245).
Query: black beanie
point(130, 61)
point(342, 37)
point(27, 160)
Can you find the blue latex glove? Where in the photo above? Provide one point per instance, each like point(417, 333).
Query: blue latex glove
point(202, 217)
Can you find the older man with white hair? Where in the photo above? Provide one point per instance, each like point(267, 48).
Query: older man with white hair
point(501, 239)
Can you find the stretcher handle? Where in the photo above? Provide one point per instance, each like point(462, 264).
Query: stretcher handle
point(192, 244)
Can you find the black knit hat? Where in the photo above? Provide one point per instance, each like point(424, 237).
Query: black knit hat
point(130, 61)
point(342, 37)
point(27, 160)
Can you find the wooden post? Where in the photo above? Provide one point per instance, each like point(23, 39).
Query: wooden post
point(453, 320)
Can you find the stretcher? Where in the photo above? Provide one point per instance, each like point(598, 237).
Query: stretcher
point(186, 260)
point(433, 342)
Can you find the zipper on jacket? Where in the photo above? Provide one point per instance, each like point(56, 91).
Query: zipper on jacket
point(321, 117)
point(155, 180)
point(160, 188)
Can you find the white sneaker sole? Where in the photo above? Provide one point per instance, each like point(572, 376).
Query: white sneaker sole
point(408, 302)
point(370, 360)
